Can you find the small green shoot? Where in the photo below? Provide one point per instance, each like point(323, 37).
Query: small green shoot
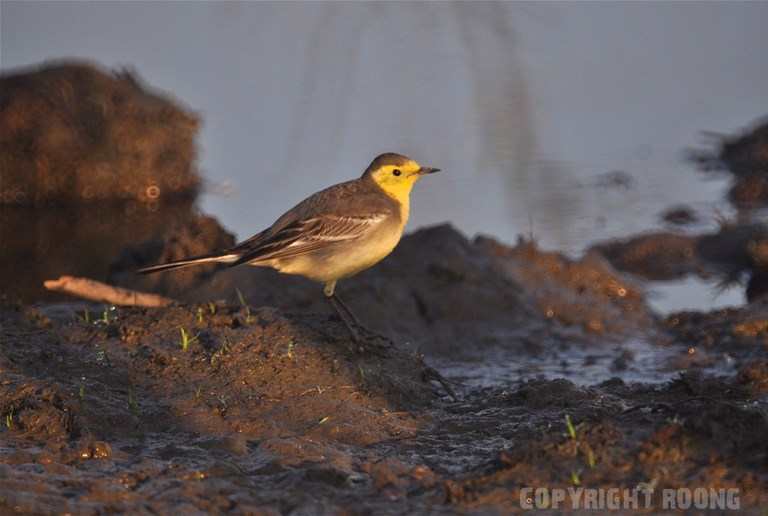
point(289, 353)
point(323, 420)
point(221, 352)
point(575, 479)
point(248, 316)
point(81, 392)
point(570, 427)
point(212, 307)
point(186, 339)
point(200, 315)
point(198, 393)
point(9, 419)
point(581, 446)
point(591, 458)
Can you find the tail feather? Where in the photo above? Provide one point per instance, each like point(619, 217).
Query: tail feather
point(199, 260)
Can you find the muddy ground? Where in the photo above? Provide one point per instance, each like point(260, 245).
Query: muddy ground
point(267, 407)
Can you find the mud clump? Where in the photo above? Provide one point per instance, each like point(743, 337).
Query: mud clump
point(681, 215)
point(195, 235)
point(586, 293)
point(734, 251)
point(747, 153)
point(73, 133)
point(655, 256)
point(745, 156)
point(754, 374)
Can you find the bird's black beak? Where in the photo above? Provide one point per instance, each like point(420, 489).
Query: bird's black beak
point(427, 170)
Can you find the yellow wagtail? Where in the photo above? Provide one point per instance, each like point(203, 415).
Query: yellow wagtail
point(334, 233)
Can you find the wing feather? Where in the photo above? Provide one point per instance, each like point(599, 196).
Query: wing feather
point(304, 236)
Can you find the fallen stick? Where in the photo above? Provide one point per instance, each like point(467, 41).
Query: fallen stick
point(98, 291)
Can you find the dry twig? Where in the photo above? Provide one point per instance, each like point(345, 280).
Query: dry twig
point(98, 291)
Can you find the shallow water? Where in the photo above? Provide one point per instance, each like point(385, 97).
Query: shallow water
point(581, 366)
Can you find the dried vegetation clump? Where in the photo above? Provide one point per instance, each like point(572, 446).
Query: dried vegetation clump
point(72, 133)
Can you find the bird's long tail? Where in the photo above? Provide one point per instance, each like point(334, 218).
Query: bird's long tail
point(198, 260)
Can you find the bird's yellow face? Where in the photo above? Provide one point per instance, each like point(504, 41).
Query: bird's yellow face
point(397, 179)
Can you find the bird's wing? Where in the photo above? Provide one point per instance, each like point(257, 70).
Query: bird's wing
point(306, 235)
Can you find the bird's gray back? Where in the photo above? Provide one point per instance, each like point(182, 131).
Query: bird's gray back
point(356, 198)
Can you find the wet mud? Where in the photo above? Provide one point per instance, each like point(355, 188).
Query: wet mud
point(267, 407)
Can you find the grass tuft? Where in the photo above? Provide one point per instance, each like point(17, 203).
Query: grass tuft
point(248, 316)
point(186, 339)
point(570, 427)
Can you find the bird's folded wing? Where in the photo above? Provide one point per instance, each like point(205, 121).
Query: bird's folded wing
point(308, 235)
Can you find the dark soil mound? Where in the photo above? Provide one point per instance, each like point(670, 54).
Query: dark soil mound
point(747, 153)
point(73, 133)
point(727, 255)
point(284, 391)
point(744, 155)
point(656, 256)
point(587, 293)
point(680, 215)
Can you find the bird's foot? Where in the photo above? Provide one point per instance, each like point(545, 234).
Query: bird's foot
point(365, 340)
point(430, 373)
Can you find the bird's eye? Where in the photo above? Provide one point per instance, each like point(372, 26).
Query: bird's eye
point(396, 172)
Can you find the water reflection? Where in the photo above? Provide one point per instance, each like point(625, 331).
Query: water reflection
point(43, 244)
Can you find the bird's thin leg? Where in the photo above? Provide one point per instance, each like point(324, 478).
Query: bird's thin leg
point(344, 318)
point(350, 313)
point(342, 310)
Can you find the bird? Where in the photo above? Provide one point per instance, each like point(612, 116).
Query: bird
point(333, 234)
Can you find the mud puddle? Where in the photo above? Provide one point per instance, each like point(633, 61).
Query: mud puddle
point(636, 360)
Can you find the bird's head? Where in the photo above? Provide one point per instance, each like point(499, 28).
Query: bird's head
point(396, 174)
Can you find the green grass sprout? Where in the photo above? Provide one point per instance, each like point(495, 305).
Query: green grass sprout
point(570, 427)
point(186, 339)
point(248, 316)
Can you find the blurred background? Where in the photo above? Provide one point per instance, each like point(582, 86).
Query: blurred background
point(565, 121)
